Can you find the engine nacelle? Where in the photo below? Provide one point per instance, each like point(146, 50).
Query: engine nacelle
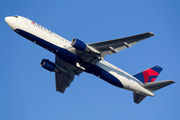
point(78, 44)
point(48, 65)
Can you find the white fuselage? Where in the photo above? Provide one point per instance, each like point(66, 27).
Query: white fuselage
point(54, 43)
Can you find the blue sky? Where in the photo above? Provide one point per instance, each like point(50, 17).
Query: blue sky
point(28, 91)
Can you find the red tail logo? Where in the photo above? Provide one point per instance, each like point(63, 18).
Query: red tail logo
point(149, 75)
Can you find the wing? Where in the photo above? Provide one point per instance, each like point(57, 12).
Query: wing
point(63, 80)
point(66, 74)
point(116, 45)
point(107, 47)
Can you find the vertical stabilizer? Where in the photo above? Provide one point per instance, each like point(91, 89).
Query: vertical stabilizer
point(149, 75)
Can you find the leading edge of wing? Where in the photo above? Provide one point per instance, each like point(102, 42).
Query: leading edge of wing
point(115, 43)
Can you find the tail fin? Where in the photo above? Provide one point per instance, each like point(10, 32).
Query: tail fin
point(149, 75)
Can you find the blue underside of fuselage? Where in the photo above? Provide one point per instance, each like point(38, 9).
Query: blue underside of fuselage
point(101, 73)
point(60, 52)
point(71, 58)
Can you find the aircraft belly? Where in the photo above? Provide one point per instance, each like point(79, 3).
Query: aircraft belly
point(127, 83)
point(124, 79)
point(103, 74)
point(108, 77)
point(61, 52)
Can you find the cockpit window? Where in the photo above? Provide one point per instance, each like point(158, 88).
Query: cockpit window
point(16, 16)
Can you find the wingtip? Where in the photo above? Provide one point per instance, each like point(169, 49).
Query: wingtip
point(152, 34)
point(172, 81)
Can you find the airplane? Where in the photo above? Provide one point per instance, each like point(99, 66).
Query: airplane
point(73, 58)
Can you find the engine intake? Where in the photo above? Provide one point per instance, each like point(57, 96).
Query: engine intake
point(78, 44)
point(48, 65)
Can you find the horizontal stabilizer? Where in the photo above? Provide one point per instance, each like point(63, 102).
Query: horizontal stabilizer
point(138, 97)
point(153, 86)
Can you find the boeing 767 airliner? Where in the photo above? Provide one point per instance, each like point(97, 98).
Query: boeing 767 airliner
point(75, 57)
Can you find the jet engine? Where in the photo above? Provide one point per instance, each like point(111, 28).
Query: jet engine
point(78, 44)
point(48, 65)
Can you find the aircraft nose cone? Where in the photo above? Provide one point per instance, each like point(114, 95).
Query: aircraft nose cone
point(11, 22)
point(7, 20)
